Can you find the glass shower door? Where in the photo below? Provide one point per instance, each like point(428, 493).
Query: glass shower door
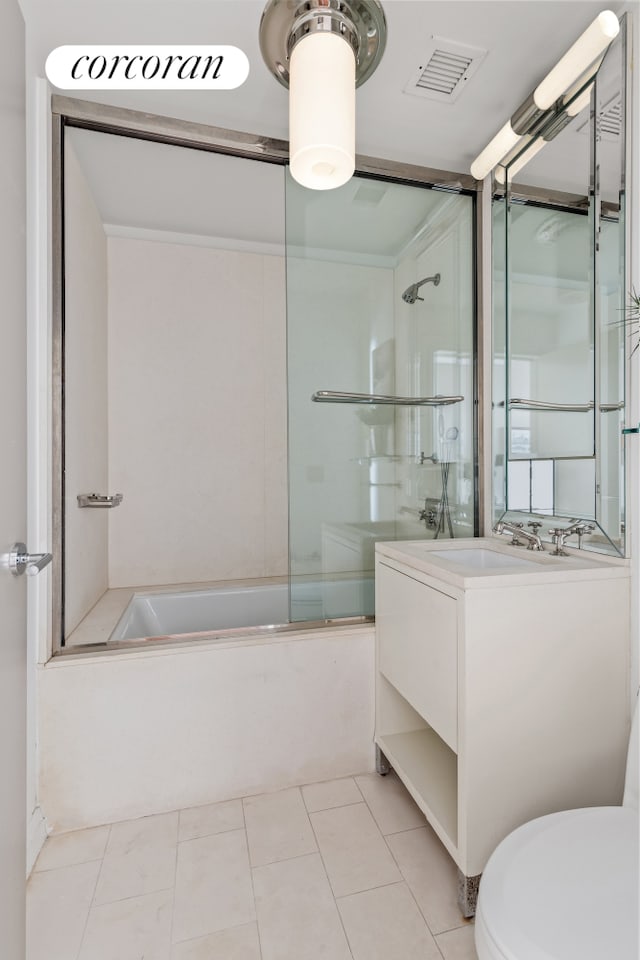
point(361, 468)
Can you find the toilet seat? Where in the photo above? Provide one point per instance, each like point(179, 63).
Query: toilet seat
point(563, 887)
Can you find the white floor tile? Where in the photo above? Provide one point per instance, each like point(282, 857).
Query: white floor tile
point(143, 869)
point(238, 943)
point(458, 944)
point(130, 929)
point(158, 830)
point(197, 861)
point(297, 915)
point(392, 807)
point(213, 886)
point(140, 858)
point(278, 827)
point(353, 849)
point(65, 849)
point(385, 923)
point(431, 874)
point(58, 904)
point(208, 820)
point(332, 793)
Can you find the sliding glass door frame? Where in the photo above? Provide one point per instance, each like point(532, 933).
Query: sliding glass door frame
point(69, 112)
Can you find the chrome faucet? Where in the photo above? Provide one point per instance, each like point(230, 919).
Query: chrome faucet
point(559, 535)
point(516, 530)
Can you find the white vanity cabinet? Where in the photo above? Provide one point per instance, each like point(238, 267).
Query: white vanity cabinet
point(502, 686)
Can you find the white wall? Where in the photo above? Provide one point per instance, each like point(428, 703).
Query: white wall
point(151, 731)
point(39, 453)
point(197, 413)
point(13, 502)
point(632, 513)
point(86, 538)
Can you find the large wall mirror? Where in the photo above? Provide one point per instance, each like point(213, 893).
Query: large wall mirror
point(559, 290)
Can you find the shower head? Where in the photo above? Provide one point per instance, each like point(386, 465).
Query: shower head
point(411, 293)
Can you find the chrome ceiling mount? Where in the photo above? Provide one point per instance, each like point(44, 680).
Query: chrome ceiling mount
point(284, 23)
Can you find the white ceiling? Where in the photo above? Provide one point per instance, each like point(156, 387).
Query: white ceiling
point(147, 186)
point(523, 39)
point(164, 192)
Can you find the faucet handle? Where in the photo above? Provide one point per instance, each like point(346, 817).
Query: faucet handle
point(582, 529)
point(535, 525)
point(557, 535)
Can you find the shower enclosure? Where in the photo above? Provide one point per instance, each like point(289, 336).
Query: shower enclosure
point(380, 319)
point(254, 381)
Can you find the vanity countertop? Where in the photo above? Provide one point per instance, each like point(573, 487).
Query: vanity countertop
point(482, 562)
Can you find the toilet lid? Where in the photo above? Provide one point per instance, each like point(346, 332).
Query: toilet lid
point(564, 887)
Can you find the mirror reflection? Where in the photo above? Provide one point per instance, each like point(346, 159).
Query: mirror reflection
point(559, 295)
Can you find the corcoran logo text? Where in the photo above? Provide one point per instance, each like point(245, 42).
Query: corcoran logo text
point(96, 67)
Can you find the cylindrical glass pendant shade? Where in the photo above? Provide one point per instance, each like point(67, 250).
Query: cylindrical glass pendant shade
point(322, 107)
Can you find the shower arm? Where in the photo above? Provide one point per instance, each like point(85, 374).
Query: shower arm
point(435, 280)
point(341, 396)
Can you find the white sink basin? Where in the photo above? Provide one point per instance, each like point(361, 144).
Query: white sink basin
point(480, 558)
point(485, 562)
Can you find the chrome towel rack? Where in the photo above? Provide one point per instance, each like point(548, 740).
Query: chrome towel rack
point(341, 396)
point(519, 404)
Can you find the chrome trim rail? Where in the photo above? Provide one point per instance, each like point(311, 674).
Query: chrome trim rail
point(228, 634)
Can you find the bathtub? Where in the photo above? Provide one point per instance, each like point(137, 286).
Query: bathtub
point(213, 684)
point(228, 608)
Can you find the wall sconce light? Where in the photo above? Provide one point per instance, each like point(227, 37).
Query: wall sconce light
point(322, 50)
point(527, 148)
point(548, 97)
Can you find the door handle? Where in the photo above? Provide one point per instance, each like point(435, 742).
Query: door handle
point(30, 563)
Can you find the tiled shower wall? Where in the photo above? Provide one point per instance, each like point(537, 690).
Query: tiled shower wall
point(86, 543)
point(197, 413)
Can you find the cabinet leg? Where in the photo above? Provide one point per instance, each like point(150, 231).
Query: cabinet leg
point(468, 893)
point(382, 764)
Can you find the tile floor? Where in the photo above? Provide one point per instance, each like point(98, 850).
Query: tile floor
point(342, 870)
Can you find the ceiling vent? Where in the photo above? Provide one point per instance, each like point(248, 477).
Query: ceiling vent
point(445, 70)
point(610, 119)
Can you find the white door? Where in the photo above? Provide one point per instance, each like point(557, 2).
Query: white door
point(13, 483)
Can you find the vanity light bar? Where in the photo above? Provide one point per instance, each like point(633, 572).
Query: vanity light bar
point(514, 165)
point(578, 58)
point(522, 161)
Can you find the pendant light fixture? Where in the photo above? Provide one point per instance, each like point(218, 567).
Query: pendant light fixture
point(322, 50)
point(547, 98)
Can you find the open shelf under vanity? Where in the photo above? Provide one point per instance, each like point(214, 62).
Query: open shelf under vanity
point(499, 700)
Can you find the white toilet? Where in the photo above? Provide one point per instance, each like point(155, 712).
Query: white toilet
point(565, 886)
